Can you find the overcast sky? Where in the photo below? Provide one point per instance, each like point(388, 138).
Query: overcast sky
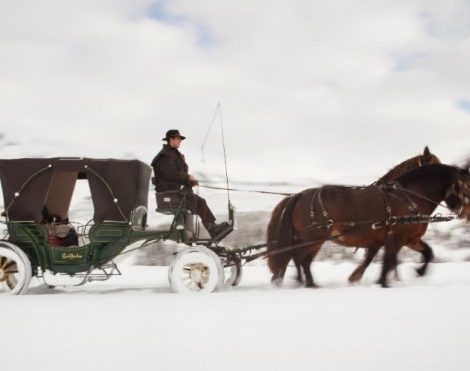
point(333, 90)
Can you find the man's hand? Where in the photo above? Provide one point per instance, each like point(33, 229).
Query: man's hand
point(193, 180)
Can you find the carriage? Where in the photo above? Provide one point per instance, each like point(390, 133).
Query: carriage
point(37, 196)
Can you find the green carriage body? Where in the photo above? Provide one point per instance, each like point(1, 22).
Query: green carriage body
point(119, 191)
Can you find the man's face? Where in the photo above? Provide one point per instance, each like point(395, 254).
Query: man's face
point(174, 142)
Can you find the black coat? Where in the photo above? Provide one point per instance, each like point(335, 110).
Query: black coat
point(170, 169)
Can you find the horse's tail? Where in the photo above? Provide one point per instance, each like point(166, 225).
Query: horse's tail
point(281, 234)
point(272, 233)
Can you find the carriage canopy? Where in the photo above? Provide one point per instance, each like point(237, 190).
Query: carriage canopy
point(29, 184)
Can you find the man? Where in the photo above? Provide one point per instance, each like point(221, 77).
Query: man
point(171, 174)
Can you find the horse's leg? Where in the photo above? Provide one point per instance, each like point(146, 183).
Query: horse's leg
point(390, 258)
point(359, 272)
point(426, 252)
point(298, 266)
point(307, 262)
point(396, 275)
point(278, 276)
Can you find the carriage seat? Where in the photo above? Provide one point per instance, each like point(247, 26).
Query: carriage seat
point(170, 202)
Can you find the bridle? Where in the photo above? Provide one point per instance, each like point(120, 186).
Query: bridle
point(459, 193)
point(457, 189)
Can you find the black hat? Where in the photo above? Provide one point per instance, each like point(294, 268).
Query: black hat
point(173, 133)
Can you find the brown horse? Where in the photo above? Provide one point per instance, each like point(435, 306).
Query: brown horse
point(272, 231)
point(369, 217)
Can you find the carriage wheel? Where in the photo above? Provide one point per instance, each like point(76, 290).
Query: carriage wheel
point(15, 270)
point(233, 275)
point(196, 269)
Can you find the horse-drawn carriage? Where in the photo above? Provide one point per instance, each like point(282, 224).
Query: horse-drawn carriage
point(119, 192)
point(390, 214)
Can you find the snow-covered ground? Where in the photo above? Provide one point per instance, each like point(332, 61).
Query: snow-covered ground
point(136, 322)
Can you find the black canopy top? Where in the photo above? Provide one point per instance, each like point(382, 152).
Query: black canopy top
point(117, 186)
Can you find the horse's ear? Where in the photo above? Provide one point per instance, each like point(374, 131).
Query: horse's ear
point(427, 153)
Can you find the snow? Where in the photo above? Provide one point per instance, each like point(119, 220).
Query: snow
point(135, 322)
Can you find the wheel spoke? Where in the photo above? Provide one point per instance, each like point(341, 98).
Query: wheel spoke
point(12, 270)
point(9, 265)
point(10, 281)
point(3, 261)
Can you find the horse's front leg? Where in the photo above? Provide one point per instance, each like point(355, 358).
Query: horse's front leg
point(371, 252)
point(306, 262)
point(390, 257)
point(298, 267)
point(427, 253)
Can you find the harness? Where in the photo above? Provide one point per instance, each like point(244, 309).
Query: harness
point(402, 194)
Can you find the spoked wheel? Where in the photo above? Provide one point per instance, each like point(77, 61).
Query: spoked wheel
point(15, 270)
point(233, 275)
point(196, 269)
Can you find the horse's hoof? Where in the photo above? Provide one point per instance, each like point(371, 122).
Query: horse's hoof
point(354, 278)
point(311, 285)
point(277, 282)
point(384, 284)
point(421, 271)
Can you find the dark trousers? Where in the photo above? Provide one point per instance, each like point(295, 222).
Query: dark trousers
point(197, 205)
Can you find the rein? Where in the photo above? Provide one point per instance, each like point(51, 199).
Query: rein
point(246, 190)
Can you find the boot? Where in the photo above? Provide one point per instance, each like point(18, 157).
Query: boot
point(215, 228)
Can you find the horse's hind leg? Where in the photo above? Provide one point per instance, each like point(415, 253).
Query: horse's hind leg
point(426, 252)
point(280, 270)
point(359, 272)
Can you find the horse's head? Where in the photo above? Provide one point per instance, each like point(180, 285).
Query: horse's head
point(428, 158)
point(458, 195)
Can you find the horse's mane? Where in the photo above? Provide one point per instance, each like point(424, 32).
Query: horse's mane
point(400, 169)
point(446, 172)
